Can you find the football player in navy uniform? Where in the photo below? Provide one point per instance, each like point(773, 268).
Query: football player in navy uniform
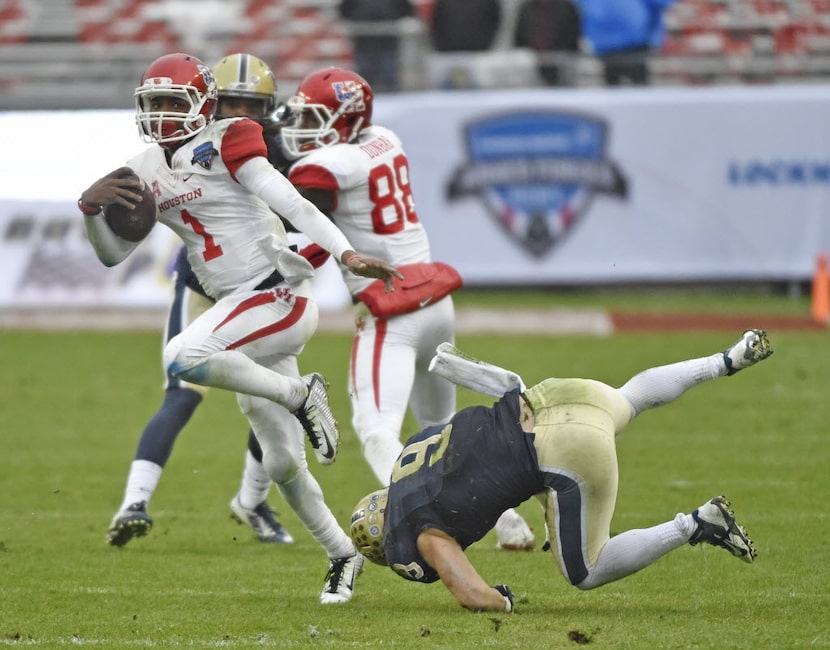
point(554, 441)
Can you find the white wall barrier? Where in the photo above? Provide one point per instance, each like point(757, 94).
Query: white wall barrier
point(534, 187)
point(617, 185)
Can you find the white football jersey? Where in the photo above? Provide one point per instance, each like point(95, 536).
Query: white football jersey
point(375, 207)
point(222, 223)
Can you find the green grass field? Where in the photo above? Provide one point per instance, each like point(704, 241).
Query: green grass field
point(73, 405)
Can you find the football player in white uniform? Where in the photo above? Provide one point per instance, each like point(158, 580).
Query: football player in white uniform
point(358, 173)
point(216, 190)
point(245, 88)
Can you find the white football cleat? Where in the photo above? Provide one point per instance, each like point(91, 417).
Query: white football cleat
point(263, 520)
point(340, 579)
point(513, 532)
point(716, 525)
point(317, 419)
point(752, 347)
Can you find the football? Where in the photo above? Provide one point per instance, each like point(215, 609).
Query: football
point(132, 225)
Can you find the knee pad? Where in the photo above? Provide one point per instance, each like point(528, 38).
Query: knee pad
point(178, 365)
point(170, 356)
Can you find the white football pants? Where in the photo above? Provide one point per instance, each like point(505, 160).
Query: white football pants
point(248, 343)
point(389, 371)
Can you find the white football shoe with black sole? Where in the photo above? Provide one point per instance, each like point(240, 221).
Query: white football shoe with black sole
point(716, 525)
point(752, 347)
point(318, 421)
point(340, 579)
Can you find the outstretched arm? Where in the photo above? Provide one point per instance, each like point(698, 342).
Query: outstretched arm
point(260, 178)
point(445, 555)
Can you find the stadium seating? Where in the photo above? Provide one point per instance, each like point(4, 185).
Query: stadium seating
point(90, 53)
point(103, 46)
point(745, 41)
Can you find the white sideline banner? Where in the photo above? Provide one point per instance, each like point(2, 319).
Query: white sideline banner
point(519, 187)
point(621, 185)
point(48, 262)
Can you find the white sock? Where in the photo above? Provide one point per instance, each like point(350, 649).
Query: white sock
point(255, 483)
point(663, 384)
point(635, 549)
point(142, 481)
point(305, 497)
point(234, 371)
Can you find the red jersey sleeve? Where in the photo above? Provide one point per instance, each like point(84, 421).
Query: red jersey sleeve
point(242, 141)
point(313, 177)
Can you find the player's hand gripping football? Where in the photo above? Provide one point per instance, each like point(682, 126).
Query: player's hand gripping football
point(369, 267)
point(121, 186)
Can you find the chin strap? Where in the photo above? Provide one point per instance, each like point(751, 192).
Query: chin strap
point(460, 368)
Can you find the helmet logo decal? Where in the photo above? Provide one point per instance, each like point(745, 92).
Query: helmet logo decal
point(351, 92)
point(207, 75)
point(536, 173)
point(203, 155)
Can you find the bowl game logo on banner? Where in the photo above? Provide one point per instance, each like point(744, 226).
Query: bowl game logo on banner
point(536, 172)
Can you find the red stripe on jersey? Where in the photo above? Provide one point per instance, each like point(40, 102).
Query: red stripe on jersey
point(380, 336)
point(353, 360)
point(242, 141)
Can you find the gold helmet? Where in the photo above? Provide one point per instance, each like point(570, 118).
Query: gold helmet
point(244, 76)
point(367, 526)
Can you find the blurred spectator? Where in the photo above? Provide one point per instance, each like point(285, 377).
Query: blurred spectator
point(375, 33)
point(465, 25)
point(623, 34)
point(548, 27)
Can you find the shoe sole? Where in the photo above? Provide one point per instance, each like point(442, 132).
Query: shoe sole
point(121, 534)
point(754, 353)
point(529, 546)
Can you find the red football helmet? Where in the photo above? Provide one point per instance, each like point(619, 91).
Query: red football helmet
point(181, 77)
point(331, 105)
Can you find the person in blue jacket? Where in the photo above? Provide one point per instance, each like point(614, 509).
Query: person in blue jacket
point(623, 34)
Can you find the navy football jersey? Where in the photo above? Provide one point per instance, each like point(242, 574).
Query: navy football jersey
point(458, 478)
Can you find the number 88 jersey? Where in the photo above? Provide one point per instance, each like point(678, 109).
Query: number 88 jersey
point(373, 200)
